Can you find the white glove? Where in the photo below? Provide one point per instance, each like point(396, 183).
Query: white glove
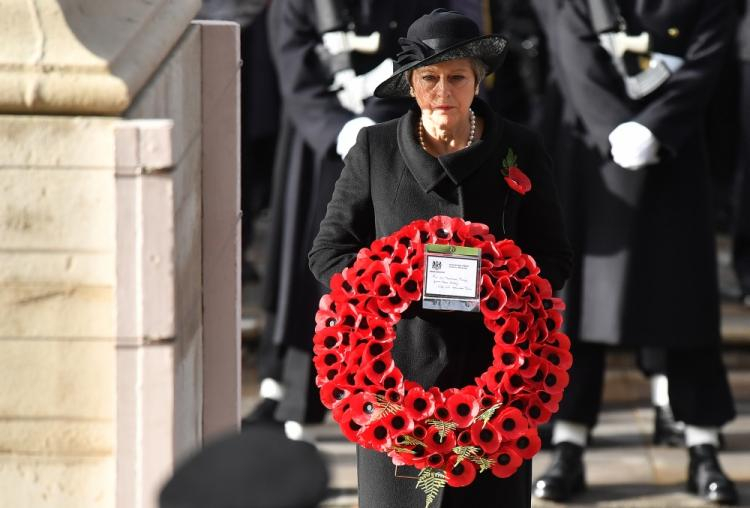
point(633, 145)
point(348, 134)
point(353, 89)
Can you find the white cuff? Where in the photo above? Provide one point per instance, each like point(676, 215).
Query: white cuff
point(633, 145)
point(348, 134)
point(695, 436)
point(564, 431)
point(659, 390)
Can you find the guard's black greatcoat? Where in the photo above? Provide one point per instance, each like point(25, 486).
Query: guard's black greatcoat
point(649, 232)
point(307, 167)
point(389, 181)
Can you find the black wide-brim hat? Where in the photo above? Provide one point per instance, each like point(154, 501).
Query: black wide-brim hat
point(436, 37)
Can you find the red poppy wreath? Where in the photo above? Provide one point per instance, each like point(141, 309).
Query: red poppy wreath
point(450, 435)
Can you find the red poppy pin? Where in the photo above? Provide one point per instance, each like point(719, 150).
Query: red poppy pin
point(516, 179)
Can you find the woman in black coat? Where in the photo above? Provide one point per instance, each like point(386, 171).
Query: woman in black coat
point(444, 157)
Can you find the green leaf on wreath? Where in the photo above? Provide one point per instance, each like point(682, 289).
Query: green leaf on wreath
point(443, 427)
point(409, 440)
point(483, 462)
point(431, 480)
point(401, 449)
point(465, 452)
point(510, 159)
point(385, 407)
point(488, 414)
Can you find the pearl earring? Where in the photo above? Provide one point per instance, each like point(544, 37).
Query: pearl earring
point(411, 91)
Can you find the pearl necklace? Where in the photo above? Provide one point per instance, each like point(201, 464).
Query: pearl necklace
point(472, 130)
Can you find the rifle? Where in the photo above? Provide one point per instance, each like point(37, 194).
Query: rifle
point(626, 51)
point(338, 43)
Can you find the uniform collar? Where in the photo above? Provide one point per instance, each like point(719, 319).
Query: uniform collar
point(429, 171)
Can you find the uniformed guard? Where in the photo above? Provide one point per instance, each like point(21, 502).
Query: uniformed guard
point(635, 79)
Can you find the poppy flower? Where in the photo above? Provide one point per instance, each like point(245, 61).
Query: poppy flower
point(418, 403)
point(460, 474)
point(435, 460)
point(443, 228)
point(527, 444)
point(437, 443)
point(341, 288)
point(326, 374)
point(363, 407)
point(407, 236)
point(510, 422)
point(555, 378)
point(374, 350)
point(493, 306)
point(392, 305)
point(463, 409)
point(419, 432)
point(376, 436)
point(508, 248)
point(332, 395)
point(378, 368)
point(508, 333)
point(402, 458)
point(512, 290)
point(536, 412)
point(507, 357)
point(348, 426)
point(517, 180)
point(493, 378)
point(548, 400)
point(529, 366)
point(473, 232)
point(486, 436)
point(410, 288)
point(558, 357)
point(398, 423)
point(416, 262)
point(327, 339)
point(506, 461)
point(394, 380)
point(380, 329)
point(559, 339)
point(329, 359)
point(486, 287)
point(512, 382)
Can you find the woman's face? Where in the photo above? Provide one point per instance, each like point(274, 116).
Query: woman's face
point(444, 91)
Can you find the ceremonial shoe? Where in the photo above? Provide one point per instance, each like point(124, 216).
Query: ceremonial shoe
point(706, 479)
point(564, 477)
point(667, 431)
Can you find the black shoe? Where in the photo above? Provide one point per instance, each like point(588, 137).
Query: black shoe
point(564, 477)
point(667, 431)
point(262, 413)
point(706, 479)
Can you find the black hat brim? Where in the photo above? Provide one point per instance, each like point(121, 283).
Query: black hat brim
point(489, 49)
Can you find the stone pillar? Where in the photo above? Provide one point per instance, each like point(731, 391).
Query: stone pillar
point(113, 254)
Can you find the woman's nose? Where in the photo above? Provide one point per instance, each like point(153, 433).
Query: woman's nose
point(442, 86)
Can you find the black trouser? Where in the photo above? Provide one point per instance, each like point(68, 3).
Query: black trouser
point(699, 392)
point(741, 230)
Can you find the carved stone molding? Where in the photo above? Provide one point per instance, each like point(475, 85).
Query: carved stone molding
point(84, 56)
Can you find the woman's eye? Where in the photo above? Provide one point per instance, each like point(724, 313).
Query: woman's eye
point(457, 78)
point(429, 77)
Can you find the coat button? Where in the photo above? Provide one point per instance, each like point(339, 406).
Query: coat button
point(673, 32)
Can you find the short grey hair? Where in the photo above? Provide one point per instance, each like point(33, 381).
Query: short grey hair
point(477, 66)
